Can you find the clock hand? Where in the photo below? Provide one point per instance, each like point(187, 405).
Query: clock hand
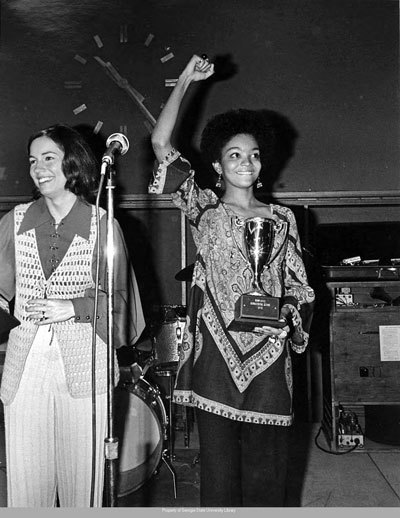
point(123, 83)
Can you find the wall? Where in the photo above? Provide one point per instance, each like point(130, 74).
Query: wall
point(329, 66)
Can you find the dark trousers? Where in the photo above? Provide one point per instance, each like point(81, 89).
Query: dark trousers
point(241, 464)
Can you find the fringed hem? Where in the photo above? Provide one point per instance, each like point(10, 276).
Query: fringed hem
point(189, 398)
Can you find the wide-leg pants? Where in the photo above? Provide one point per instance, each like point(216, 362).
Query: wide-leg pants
point(241, 464)
point(49, 435)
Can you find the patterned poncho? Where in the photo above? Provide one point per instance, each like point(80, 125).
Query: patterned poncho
point(239, 375)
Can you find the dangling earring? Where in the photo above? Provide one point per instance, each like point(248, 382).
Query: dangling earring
point(259, 183)
point(219, 183)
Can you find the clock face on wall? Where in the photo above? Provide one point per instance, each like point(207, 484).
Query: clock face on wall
point(91, 66)
point(117, 82)
point(91, 63)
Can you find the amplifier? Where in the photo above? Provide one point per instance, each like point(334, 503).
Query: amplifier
point(361, 367)
point(361, 272)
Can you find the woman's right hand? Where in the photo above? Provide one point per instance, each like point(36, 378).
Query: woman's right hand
point(198, 69)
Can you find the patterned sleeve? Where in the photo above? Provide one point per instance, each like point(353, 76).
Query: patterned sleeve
point(299, 296)
point(169, 174)
point(174, 175)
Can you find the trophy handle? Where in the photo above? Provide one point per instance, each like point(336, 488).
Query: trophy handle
point(281, 236)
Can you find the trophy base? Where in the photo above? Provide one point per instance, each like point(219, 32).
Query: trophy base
point(256, 310)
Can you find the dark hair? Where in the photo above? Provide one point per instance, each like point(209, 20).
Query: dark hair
point(221, 128)
point(79, 164)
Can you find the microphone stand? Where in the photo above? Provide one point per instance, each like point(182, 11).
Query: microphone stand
point(111, 442)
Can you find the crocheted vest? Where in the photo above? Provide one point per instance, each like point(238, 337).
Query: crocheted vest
point(70, 280)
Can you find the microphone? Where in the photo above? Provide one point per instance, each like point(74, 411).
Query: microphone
point(117, 144)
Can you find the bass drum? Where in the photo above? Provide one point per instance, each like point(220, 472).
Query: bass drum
point(141, 424)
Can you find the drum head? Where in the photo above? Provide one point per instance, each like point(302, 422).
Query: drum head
point(140, 436)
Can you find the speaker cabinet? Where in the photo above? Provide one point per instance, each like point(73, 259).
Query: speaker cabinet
point(361, 366)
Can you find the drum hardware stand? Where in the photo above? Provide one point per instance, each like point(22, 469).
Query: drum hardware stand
point(170, 416)
point(186, 426)
point(138, 372)
point(165, 457)
point(168, 452)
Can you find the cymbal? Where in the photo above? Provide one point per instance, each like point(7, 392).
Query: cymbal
point(186, 274)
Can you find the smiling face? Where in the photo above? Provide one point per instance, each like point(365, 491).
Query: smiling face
point(45, 158)
point(240, 163)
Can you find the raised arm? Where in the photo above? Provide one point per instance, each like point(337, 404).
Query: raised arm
point(197, 69)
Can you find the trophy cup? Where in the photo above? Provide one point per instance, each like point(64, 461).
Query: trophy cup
point(257, 308)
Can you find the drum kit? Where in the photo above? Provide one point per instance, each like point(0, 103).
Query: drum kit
point(145, 425)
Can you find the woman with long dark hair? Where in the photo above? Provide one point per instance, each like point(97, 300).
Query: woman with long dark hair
point(48, 253)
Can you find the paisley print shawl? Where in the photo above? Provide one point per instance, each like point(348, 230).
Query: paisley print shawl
point(245, 376)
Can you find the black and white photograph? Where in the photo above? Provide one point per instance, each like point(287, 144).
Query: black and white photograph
point(200, 256)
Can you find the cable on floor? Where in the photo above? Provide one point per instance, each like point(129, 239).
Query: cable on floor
point(356, 441)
